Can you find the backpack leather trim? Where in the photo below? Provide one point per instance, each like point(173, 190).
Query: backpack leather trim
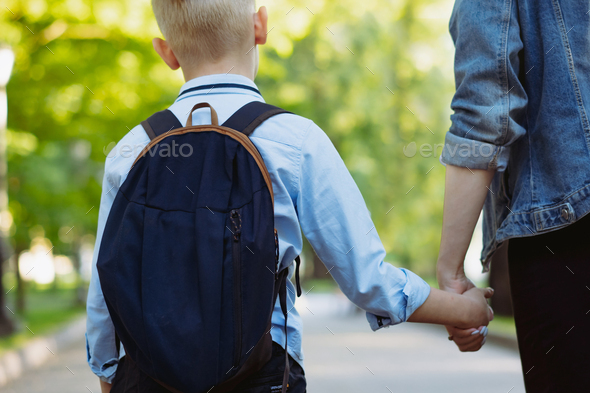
point(236, 135)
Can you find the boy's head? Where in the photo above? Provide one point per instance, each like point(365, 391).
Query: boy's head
point(201, 32)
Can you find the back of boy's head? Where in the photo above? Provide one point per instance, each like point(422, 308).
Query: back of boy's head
point(205, 30)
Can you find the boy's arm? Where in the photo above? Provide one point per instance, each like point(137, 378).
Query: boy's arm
point(102, 352)
point(335, 220)
point(105, 387)
point(446, 308)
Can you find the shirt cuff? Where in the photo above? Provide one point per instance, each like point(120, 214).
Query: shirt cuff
point(105, 372)
point(472, 154)
point(110, 378)
point(415, 293)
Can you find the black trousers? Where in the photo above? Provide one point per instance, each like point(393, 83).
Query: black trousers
point(130, 379)
point(550, 282)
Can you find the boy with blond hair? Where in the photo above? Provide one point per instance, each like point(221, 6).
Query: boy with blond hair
point(214, 43)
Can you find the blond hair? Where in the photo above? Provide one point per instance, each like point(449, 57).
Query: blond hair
point(205, 30)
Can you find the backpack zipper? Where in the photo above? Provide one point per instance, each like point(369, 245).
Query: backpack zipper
point(237, 266)
point(277, 254)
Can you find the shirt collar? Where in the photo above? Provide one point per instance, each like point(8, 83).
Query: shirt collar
point(218, 84)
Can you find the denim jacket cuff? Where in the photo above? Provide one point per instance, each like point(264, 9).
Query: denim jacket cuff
point(473, 154)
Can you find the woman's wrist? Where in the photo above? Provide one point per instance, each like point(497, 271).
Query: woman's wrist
point(451, 267)
point(446, 274)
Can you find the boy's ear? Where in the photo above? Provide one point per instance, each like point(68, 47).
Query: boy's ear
point(166, 53)
point(260, 26)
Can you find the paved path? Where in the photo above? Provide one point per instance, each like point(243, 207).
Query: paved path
point(67, 372)
point(342, 356)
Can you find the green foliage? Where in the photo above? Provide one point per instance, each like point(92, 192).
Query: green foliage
point(84, 75)
point(375, 75)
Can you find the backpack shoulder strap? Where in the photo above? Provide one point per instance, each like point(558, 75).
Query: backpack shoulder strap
point(252, 115)
point(160, 123)
point(245, 120)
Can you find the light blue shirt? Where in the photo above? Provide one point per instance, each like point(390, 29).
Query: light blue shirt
point(314, 193)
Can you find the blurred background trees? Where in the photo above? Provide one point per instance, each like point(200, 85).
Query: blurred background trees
point(376, 75)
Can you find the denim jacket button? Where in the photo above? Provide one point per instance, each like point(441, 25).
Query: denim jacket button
point(565, 214)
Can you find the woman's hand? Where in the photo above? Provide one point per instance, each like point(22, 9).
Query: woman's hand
point(453, 282)
point(469, 340)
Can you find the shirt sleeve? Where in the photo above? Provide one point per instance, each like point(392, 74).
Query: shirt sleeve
point(338, 225)
point(100, 332)
point(490, 102)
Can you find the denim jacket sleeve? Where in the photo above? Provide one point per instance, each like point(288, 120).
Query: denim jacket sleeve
point(490, 101)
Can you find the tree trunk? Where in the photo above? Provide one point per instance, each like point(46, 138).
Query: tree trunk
point(20, 283)
point(499, 280)
point(81, 292)
point(6, 324)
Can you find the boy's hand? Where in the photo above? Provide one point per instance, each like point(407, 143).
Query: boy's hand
point(480, 313)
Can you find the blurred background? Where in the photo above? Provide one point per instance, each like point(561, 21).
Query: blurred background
point(376, 75)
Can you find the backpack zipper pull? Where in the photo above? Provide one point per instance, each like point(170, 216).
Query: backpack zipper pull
point(277, 251)
point(237, 224)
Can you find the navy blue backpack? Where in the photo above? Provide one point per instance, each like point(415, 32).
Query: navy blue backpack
point(189, 259)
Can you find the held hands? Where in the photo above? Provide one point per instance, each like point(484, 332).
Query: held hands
point(478, 314)
point(458, 283)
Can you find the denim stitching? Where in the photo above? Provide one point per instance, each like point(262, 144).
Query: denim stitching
point(534, 200)
point(572, 71)
point(503, 77)
point(504, 74)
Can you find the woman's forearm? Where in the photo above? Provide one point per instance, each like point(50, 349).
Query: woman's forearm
point(465, 194)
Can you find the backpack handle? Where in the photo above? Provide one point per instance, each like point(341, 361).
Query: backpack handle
point(214, 119)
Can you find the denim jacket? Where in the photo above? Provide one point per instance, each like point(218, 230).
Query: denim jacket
point(522, 71)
